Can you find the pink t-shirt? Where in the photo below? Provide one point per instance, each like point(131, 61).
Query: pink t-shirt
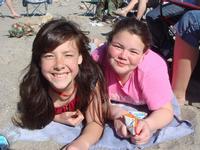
point(149, 83)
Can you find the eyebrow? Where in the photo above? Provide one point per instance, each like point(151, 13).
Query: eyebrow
point(130, 49)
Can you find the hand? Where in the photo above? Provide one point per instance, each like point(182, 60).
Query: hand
point(72, 118)
point(120, 128)
point(143, 133)
point(116, 111)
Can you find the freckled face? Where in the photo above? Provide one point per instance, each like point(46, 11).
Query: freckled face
point(125, 53)
point(60, 67)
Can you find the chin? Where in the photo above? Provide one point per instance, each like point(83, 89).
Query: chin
point(120, 70)
point(59, 87)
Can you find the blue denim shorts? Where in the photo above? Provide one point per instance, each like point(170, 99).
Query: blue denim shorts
point(2, 2)
point(188, 28)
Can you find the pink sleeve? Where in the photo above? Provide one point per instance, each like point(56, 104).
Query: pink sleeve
point(156, 86)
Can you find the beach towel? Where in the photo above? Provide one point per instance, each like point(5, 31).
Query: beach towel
point(4, 145)
point(64, 134)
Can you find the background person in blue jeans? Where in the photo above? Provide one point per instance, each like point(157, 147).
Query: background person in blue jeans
point(186, 52)
point(159, 29)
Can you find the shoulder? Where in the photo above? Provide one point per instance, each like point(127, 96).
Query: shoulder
point(153, 76)
point(152, 61)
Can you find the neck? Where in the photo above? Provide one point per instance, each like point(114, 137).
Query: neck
point(124, 78)
point(63, 95)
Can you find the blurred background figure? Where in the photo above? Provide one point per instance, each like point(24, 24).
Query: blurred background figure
point(186, 53)
point(10, 7)
point(140, 5)
point(160, 19)
point(105, 9)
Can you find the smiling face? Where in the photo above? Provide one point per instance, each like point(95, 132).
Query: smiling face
point(60, 66)
point(125, 53)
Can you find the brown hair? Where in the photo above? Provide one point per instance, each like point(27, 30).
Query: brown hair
point(35, 108)
point(133, 26)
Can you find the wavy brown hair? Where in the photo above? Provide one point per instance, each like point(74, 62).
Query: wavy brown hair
point(35, 107)
point(133, 26)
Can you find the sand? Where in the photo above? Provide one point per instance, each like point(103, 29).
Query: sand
point(15, 55)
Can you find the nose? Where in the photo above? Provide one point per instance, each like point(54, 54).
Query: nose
point(123, 54)
point(59, 63)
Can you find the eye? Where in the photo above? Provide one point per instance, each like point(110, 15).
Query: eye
point(133, 52)
point(68, 55)
point(48, 55)
point(117, 46)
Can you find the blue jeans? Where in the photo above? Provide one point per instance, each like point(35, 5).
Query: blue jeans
point(188, 28)
point(159, 28)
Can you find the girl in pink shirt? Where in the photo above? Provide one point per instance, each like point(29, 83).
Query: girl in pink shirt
point(135, 76)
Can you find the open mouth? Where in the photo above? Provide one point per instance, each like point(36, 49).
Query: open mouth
point(60, 75)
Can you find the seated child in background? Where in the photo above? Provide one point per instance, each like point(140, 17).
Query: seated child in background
point(136, 76)
point(62, 83)
point(141, 7)
point(105, 9)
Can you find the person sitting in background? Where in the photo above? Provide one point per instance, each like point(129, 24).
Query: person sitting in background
point(10, 7)
point(105, 9)
point(141, 4)
point(162, 42)
point(186, 52)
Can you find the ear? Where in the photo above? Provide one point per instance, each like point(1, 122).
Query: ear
point(80, 59)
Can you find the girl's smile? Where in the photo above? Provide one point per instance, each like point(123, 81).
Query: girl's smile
point(60, 76)
point(125, 53)
point(60, 66)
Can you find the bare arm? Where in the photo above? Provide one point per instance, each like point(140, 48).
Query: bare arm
point(87, 138)
point(156, 120)
point(72, 118)
point(93, 125)
point(131, 5)
point(146, 127)
point(161, 117)
point(142, 6)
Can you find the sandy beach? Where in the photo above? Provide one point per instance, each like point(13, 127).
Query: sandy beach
point(15, 56)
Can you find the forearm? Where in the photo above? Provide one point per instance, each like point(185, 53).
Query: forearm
point(159, 118)
point(131, 5)
point(88, 138)
point(141, 8)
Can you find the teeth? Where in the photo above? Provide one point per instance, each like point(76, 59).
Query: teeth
point(60, 75)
